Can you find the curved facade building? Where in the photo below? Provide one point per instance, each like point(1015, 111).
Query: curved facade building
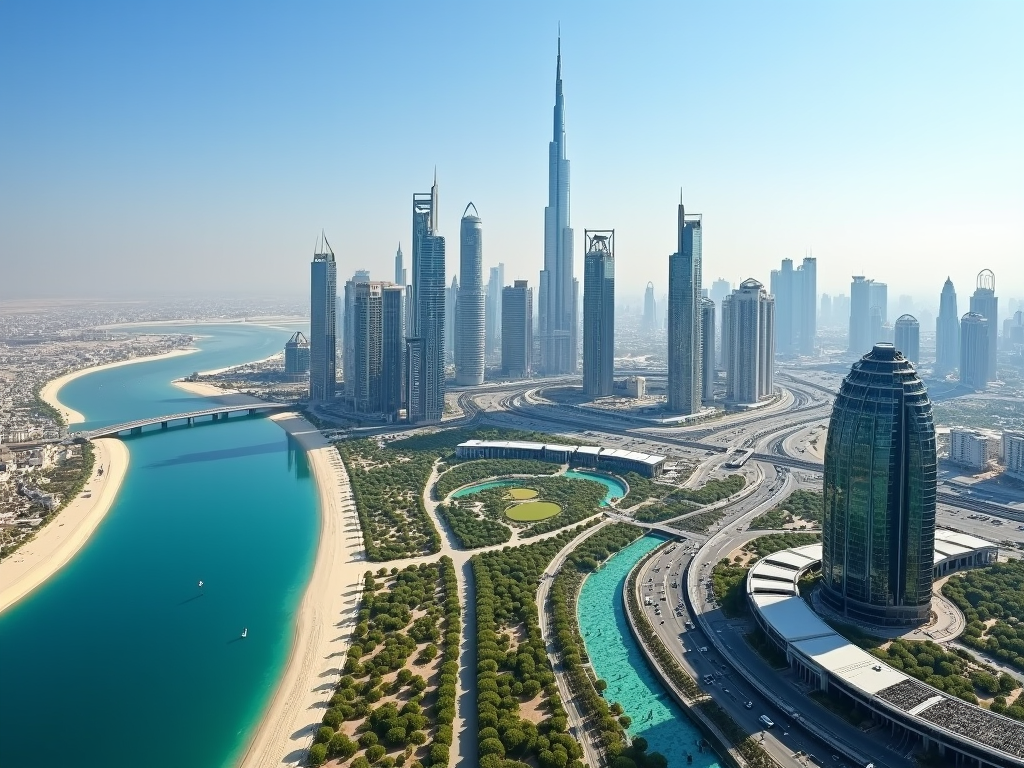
point(907, 336)
point(878, 535)
point(469, 317)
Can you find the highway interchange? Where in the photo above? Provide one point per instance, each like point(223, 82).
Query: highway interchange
point(784, 460)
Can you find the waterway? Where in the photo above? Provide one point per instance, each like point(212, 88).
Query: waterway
point(120, 658)
point(618, 660)
point(616, 490)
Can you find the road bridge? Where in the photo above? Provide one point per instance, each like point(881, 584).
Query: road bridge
point(189, 417)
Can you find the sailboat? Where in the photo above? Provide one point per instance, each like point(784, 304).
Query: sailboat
point(245, 632)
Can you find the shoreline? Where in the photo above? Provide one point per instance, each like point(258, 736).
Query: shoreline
point(59, 541)
point(48, 394)
point(327, 612)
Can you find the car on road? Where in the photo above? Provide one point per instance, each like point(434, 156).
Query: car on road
point(766, 721)
point(748, 704)
point(703, 649)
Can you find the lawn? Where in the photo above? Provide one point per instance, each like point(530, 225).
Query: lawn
point(532, 511)
point(522, 494)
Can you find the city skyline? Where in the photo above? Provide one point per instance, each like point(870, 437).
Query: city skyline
point(95, 187)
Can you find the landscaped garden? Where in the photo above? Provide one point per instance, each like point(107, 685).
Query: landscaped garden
point(532, 511)
point(396, 702)
point(800, 509)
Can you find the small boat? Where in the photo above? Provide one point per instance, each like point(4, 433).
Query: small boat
point(200, 583)
point(245, 632)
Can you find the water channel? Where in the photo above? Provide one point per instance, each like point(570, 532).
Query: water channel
point(618, 660)
point(120, 659)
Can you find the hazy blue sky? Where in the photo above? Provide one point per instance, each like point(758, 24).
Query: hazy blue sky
point(157, 147)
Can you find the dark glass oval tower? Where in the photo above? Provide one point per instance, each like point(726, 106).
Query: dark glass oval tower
point(878, 536)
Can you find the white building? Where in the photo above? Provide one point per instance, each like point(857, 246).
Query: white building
point(748, 330)
point(1013, 453)
point(972, 449)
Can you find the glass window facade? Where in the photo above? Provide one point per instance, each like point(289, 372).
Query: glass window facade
point(878, 536)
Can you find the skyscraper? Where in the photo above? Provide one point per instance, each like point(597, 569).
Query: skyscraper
point(707, 331)
point(296, 356)
point(400, 267)
point(598, 312)
point(907, 338)
point(517, 331)
point(392, 351)
point(947, 332)
point(985, 303)
point(363, 371)
point(684, 335)
point(796, 307)
point(451, 304)
point(425, 353)
point(825, 314)
point(719, 290)
point(469, 365)
point(492, 314)
point(748, 320)
point(879, 293)
point(650, 322)
point(878, 535)
point(558, 288)
point(860, 315)
point(323, 298)
point(348, 350)
point(974, 355)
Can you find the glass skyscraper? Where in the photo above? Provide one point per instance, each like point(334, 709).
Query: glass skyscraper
point(684, 316)
point(878, 535)
point(599, 312)
point(323, 304)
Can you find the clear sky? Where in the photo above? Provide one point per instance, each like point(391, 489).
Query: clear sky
point(159, 148)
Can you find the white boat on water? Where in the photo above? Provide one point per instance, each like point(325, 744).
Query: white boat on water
point(245, 632)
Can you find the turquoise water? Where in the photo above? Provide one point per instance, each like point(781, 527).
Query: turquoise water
point(617, 659)
point(120, 659)
point(471, 489)
point(616, 490)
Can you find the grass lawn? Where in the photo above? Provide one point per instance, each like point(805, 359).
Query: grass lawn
point(522, 494)
point(532, 511)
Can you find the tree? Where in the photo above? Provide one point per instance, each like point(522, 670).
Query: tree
point(318, 754)
point(324, 735)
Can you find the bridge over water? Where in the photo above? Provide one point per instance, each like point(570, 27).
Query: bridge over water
point(189, 418)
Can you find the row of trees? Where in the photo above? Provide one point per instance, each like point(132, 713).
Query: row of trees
point(996, 593)
point(807, 505)
point(610, 721)
point(384, 640)
point(512, 663)
point(388, 487)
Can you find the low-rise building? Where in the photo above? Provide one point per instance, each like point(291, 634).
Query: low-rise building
point(612, 459)
point(972, 448)
point(1013, 453)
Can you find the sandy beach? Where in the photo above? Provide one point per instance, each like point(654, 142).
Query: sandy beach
point(49, 392)
point(326, 616)
point(59, 541)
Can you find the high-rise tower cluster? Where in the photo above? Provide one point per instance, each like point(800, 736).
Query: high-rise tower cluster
point(868, 313)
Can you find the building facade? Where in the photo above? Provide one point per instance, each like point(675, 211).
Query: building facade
point(796, 307)
point(296, 356)
point(907, 338)
point(469, 364)
point(878, 535)
point(684, 316)
point(517, 331)
point(708, 358)
point(559, 289)
point(492, 314)
point(974, 355)
point(972, 449)
point(748, 319)
point(868, 313)
point(985, 303)
point(947, 332)
point(323, 302)
point(599, 312)
point(1013, 453)
point(650, 323)
point(393, 351)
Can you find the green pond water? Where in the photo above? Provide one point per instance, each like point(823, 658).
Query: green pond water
point(618, 660)
point(616, 490)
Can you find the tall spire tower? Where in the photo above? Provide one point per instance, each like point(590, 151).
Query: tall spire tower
point(559, 289)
